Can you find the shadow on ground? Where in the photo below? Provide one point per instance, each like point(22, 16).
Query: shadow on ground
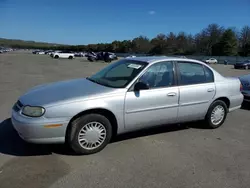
point(245, 106)
point(12, 144)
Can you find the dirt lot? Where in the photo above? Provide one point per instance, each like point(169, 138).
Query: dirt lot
point(171, 156)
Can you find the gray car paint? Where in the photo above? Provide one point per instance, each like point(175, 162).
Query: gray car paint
point(64, 100)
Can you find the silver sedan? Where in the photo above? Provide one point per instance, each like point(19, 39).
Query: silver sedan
point(127, 95)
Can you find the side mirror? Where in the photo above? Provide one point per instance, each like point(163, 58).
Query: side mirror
point(140, 86)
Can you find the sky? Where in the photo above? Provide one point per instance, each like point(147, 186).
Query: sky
point(101, 21)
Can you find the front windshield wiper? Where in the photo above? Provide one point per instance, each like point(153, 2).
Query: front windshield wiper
point(98, 82)
point(92, 80)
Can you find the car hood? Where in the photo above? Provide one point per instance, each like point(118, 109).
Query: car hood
point(70, 90)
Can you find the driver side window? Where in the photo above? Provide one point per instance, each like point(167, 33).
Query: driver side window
point(159, 75)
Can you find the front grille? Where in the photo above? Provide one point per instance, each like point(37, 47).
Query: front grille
point(17, 106)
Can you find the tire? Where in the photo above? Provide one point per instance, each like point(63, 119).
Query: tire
point(79, 125)
point(70, 57)
point(221, 106)
point(56, 57)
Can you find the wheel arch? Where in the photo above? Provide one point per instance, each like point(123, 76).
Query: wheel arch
point(107, 113)
point(224, 99)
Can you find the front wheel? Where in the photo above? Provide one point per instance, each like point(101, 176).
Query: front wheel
point(216, 114)
point(90, 134)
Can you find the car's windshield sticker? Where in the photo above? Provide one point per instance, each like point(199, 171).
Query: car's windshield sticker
point(134, 66)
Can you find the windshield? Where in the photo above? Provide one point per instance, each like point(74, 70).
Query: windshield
point(119, 74)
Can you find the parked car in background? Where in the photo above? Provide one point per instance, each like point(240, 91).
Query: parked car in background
point(4, 50)
point(131, 56)
point(101, 56)
point(211, 61)
point(183, 57)
point(35, 51)
point(242, 65)
point(41, 53)
point(245, 81)
point(48, 52)
point(127, 95)
point(112, 56)
point(63, 54)
point(79, 54)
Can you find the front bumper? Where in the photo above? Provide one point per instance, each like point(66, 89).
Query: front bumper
point(33, 130)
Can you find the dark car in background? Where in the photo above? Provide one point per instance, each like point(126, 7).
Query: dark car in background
point(101, 56)
point(245, 90)
point(242, 65)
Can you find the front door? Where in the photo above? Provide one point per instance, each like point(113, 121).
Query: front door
point(157, 105)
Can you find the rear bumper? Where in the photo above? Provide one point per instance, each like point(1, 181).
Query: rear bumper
point(246, 97)
point(235, 102)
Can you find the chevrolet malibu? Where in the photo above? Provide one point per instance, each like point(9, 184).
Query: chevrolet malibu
point(127, 95)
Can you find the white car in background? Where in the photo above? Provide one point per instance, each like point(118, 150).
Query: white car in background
point(211, 61)
point(63, 54)
point(41, 53)
point(131, 56)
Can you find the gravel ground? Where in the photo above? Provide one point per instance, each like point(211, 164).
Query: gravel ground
point(170, 156)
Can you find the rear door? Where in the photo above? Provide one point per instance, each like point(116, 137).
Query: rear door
point(197, 90)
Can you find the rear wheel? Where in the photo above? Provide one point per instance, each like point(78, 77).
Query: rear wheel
point(216, 114)
point(56, 56)
point(70, 57)
point(90, 134)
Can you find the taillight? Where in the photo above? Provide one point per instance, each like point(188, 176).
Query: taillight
point(241, 87)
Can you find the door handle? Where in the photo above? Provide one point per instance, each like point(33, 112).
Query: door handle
point(210, 90)
point(171, 94)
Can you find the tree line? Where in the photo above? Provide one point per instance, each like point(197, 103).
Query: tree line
point(212, 40)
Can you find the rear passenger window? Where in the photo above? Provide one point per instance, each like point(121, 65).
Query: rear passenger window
point(191, 73)
point(209, 74)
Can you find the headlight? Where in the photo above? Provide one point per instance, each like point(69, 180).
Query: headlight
point(33, 111)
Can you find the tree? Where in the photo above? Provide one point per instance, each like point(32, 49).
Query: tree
point(141, 44)
point(228, 44)
point(182, 43)
point(212, 40)
point(244, 40)
point(159, 44)
point(208, 37)
point(171, 43)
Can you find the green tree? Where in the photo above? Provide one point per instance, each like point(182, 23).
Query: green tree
point(159, 44)
point(244, 40)
point(141, 44)
point(228, 44)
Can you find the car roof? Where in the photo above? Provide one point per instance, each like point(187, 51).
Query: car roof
point(154, 59)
